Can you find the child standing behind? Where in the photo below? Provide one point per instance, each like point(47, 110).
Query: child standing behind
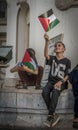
point(73, 78)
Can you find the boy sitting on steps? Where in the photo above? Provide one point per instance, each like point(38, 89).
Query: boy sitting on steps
point(57, 80)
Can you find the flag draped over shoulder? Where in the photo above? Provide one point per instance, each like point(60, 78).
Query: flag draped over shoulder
point(29, 61)
point(48, 20)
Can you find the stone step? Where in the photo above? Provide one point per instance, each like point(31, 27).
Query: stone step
point(32, 99)
point(26, 107)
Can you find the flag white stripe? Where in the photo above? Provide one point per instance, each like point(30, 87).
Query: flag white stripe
point(52, 18)
point(33, 63)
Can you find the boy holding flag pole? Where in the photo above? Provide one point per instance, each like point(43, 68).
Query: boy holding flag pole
point(57, 80)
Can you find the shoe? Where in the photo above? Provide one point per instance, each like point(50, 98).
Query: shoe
point(49, 121)
point(21, 85)
point(55, 120)
point(75, 123)
point(75, 120)
point(37, 87)
point(25, 85)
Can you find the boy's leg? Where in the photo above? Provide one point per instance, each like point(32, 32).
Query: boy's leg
point(53, 104)
point(54, 101)
point(39, 77)
point(46, 94)
point(54, 98)
point(52, 117)
point(30, 80)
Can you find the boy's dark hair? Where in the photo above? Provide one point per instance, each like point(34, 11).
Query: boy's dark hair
point(61, 43)
point(31, 52)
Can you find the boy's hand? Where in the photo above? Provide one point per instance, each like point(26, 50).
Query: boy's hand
point(58, 85)
point(46, 37)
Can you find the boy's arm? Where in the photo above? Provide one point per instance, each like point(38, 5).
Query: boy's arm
point(65, 79)
point(46, 37)
point(25, 68)
point(68, 68)
point(59, 83)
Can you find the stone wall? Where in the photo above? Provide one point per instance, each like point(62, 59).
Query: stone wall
point(27, 107)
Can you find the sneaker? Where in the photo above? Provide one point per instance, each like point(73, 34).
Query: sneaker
point(55, 120)
point(75, 123)
point(49, 120)
point(25, 85)
point(37, 87)
point(75, 120)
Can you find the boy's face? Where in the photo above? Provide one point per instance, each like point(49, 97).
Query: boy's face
point(59, 48)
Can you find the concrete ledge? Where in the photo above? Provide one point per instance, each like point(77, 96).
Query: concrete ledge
point(31, 100)
point(28, 107)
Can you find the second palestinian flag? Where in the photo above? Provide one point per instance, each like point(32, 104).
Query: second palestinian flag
point(48, 20)
point(29, 61)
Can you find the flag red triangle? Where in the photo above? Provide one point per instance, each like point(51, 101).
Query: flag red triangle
point(45, 22)
point(26, 57)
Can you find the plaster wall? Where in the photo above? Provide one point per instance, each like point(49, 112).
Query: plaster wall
point(67, 26)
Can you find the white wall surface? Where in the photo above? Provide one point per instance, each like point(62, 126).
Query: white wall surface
point(12, 9)
point(2, 28)
point(68, 26)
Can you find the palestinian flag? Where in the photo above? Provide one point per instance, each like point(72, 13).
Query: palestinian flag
point(48, 20)
point(29, 61)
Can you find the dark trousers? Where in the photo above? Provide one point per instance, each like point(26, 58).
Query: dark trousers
point(76, 107)
point(75, 93)
point(73, 78)
point(32, 79)
point(51, 95)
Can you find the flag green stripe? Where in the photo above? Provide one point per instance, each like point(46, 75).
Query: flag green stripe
point(29, 65)
point(52, 24)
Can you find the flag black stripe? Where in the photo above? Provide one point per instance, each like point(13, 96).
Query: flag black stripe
point(47, 14)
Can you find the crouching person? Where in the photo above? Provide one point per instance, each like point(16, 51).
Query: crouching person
point(28, 75)
point(57, 80)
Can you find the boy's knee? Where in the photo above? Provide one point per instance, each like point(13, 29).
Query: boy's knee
point(56, 91)
point(43, 93)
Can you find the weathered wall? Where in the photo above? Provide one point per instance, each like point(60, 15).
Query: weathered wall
point(68, 26)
